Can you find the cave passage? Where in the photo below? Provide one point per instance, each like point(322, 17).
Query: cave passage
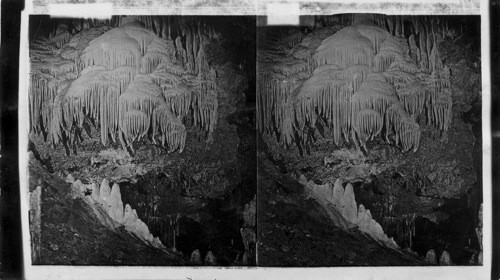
point(205, 225)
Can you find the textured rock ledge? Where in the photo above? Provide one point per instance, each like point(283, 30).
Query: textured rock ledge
point(108, 207)
point(341, 206)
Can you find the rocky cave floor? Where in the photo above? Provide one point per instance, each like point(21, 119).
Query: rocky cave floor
point(294, 230)
point(72, 235)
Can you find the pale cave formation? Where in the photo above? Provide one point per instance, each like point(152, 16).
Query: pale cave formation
point(378, 119)
point(357, 81)
point(129, 118)
point(143, 149)
point(120, 81)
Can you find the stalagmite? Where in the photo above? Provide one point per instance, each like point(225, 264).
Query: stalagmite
point(363, 218)
point(445, 258)
point(338, 193)
point(431, 257)
point(115, 204)
point(104, 190)
point(210, 259)
point(343, 210)
point(196, 257)
point(95, 191)
point(107, 204)
point(349, 206)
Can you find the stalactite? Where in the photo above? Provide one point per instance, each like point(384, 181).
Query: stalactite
point(172, 131)
point(414, 97)
point(423, 50)
point(406, 129)
point(390, 23)
point(189, 50)
point(126, 79)
point(428, 42)
point(196, 37)
point(134, 124)
point(179, 51)
point(367, 124)
point(179, 98)
point(397, 30)
point(202, 67)
point(205, 104)
point(364, 79)
point(414, 51)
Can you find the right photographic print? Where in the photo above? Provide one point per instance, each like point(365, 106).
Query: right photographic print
point(370, 141)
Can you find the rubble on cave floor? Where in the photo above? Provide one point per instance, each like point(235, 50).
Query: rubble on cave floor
point(70, 233)
point(296, 231)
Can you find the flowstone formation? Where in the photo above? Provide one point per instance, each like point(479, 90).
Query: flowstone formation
point(361, 81)
point(126, 81)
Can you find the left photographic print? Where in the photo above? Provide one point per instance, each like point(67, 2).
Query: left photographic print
point(142, 141)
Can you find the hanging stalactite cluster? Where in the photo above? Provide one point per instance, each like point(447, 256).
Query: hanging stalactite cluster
point(366, 80)
point(125, 80)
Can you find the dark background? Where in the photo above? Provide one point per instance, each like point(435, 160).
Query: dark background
point(11, 266)
point(10, 213)
point(495, 129)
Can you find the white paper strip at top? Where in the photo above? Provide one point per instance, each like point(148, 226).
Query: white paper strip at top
point(283, 13)
point(91, 10)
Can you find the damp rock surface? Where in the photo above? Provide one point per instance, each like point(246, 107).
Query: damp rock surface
point(305, 229)
point(72, 234)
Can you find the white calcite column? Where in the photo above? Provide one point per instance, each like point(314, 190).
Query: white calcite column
point(338, 193)
point(431, 257)
point(349, 206)
point(445, 258)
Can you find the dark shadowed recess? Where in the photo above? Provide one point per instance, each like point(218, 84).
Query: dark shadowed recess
point(215, 227)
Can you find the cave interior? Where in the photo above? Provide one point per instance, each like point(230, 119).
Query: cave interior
point(148, 119)
point(388, 107)
point(200, 136)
